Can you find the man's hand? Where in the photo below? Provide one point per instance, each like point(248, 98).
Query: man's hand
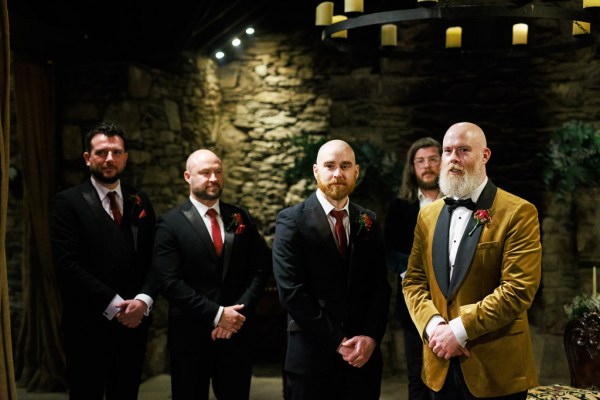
point(132, 312)
point(220, 333)
point(444, 344)
point(231, 320)
point(357, 350)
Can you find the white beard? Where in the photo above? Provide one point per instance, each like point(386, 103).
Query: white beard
point(461, 186)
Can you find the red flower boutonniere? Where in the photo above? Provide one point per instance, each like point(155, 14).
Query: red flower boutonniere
point(364, 222)
point(238, 223)
point(483, 217)
point(137, 205)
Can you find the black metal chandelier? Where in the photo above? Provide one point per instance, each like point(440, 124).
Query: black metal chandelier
point(445, 28)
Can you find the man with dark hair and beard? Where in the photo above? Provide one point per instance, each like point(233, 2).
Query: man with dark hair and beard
point(419, 187)
point(473, 272)
point(212, 265)
point(329, 265)
point(102, 232)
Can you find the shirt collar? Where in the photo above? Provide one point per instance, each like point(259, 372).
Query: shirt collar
point(202, 209)
point(327, 206)
point(103, 191)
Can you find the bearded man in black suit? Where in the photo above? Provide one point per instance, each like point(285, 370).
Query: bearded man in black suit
point(102, 234)
point(329, 264)
point(212, 265)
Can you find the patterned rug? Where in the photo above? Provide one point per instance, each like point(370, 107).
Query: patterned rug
point(555, 392)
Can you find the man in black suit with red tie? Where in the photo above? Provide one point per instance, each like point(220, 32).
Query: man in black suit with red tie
point(329, 264)
point(102, 232)
point(212, 265)
point(419, 187)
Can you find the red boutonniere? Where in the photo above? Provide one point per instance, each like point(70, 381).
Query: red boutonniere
point(137, 205)
point(364, 222)
point(483, 217)
point(238, 223)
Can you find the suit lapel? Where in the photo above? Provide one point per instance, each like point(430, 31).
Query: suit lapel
point(468, 244)
point(440, 256)
point(105, 222)
point(193, 216)
point(317, 217)
point(226, 215)
point(127, 216)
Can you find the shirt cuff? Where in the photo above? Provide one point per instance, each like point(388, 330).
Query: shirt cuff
point(218, 317)
point(459, 331)
point(146, 299)
point(432, 324)
point(112, 309)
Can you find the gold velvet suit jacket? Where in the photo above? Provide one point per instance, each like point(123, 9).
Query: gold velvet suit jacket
point(497, 273)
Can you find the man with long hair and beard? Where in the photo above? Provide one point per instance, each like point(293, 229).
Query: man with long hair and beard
point(329, 265)
point(473, 272)
point(102, 233)
point(419, 188)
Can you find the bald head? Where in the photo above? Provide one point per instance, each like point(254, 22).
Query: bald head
point(200, 156)
point(335, 147)
point(470, 132)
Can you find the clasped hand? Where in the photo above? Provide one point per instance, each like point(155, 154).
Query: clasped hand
point(444, 344)
point(231, 322)
point(357, 351)
point(132, 312)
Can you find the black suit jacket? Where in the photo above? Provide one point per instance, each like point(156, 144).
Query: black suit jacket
point(399, 234)
point(95, 258)
point(196, 281)
point(326, 297)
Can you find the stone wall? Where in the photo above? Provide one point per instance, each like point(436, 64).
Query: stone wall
point(286, 85)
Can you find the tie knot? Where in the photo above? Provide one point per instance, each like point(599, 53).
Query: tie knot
point(212, 213)
point(338, 214)
point(453, 203)
point(112, 195)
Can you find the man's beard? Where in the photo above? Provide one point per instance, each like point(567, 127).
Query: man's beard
point(205, 195)
point(461, 186)
point(336, 192)
point(428, 185)
point(97, 173)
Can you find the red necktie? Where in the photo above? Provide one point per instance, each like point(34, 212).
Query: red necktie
point(216, 230)
point(340, 231)
point(114, 207)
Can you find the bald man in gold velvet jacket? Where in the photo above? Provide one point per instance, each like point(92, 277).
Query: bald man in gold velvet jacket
point(472, 275)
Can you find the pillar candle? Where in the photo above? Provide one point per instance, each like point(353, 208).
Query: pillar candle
point(324, 13)
point(353, 6)
point(519, 34)
point(581, 28)
point(591, 3)
point(389, 35)
point(594, 281)
point(341, 34)
point(453, 37)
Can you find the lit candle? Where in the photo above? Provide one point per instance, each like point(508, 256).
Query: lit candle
point(353, 6)
point(591, 3)
point(519, 34)
point(594, 282)
point(581, 28)
point(389, 35)
point(324, 13)
point(341, 34)
point(453, 37)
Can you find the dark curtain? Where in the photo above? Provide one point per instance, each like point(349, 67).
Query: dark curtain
point(8, 389)
point(40, 360)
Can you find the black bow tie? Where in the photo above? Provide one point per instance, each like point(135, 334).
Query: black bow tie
point(452, 203)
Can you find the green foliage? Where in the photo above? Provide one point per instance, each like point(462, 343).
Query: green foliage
point(377, 167)
point(573, 158)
